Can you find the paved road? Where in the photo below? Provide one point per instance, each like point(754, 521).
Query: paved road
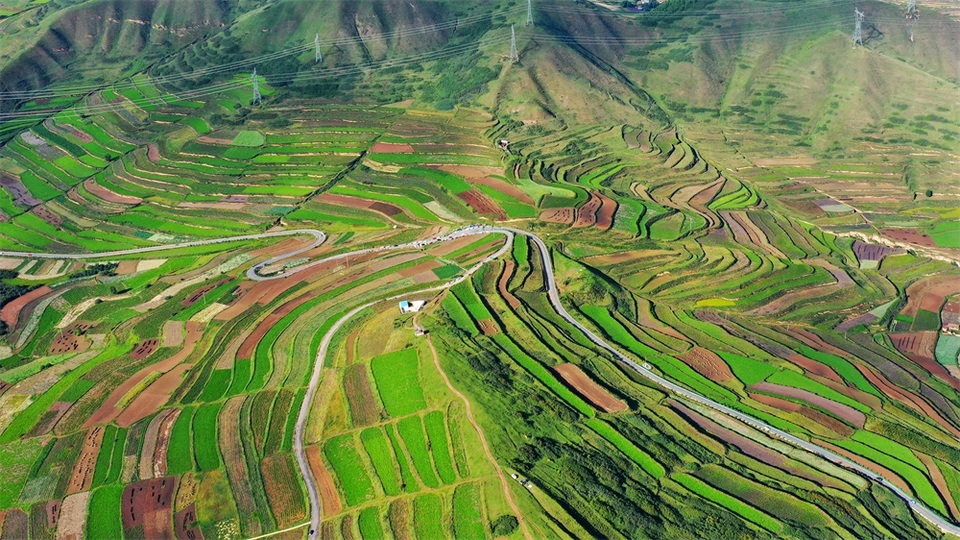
point(253, 273)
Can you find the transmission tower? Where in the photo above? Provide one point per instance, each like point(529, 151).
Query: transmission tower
point(514, 54)
point(858, 27)
point(529, 12)
point(913, 14)
point(257, 98)
point(911, 6)
point(316, 44)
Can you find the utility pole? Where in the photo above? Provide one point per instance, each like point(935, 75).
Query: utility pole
point(529, 12)
point(514, 54)
point(858, 27)
point(316, 44)
point(913, 15)
point(257, 98)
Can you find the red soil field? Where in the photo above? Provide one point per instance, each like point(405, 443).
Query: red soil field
point(936, 476)
point(512, 300)
point(185, 524)
point(818, 369)
point(775, 402)
point(11, 311)
point(747, 446)
point(707, 364)
point(872, 252)
point(70, 339)
point(607, 210)
point(198, 294)
point(82, 477)
point(155, 396)
point(126, 268)
point(588, 388)
point(96, 189)
point(907, 398)
point(391, 148)
point(149, 503)
point(936, 287)
point(249, 344)
point(915, 343)
point(488, 327)
point(840, 410)
point(53, 513)
point(350, 346)
point(563, 216)
point(144, 348)
point(4, 386)
point(329, 497)
point(47, 216)
point(906, 235)
point(363, 406)
point(502, 187)
point(356, 202)
point(935, 368)
point(425, 266)
point(153, 153)
point(482, 204)
point(587, 213)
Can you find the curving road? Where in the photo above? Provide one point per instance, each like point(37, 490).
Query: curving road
point(643, 369)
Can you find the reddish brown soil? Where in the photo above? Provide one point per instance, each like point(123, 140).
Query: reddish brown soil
point(563, 216)
point(818, 369)
point(11, 311)
point(153, 153)
point(775, 402)
point(747, 446)
point(827, 421)
point(198, 294)
point(482, 204)
point(15, 524)
point(936, 287)
point(47, 215)
point(329, 497)
point(350, 346)
point(185, 524)
point(53, 513)
point(587, 213)
point(149, 503)
point(71, 340)
point(906, 235)
point(707, 364)
point(588, 388)
point(607, 210)
point(126, 268)
point(82, 477)
point(391, 148)
point(915, 343)
point(249, 344)
point(935, 368)
point(503, 187)
point(400, 515)
point(505, 276)
point(155, 396)
point(144, 348)
point(936, 476)
point(907, 398)
point(363, 406)
point(99, 191)
point(488, 327)
point(356, 202)
point(840, 410)
point(425, 266)
point(50, 418)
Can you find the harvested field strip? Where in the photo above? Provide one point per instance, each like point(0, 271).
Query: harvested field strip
point(735, 505)
point(412, 434)
point(364, 408)
point(590, 389)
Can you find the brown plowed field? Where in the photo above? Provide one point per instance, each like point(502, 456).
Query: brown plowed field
point(356, 202)
point(144, 348)
point(607, 210)
point(840, 410)
point(52, 509)
point(155, 396)
point(587, 213)
point(350, 346)
point(198, 294)
point(11, 311)
point(512, 300)
point(481, 204)
point(155, 441)
point(71, 340)
point(363, 406)
point(707, 364)
point(149, 503)
point(96, 189)
point(425, 266)
point(503, 187)
point(391, 148)
point(936, 475)
point(588, 388)
point(82, 477)
point(47, 215)
point(907, 398)
point(185, 524)
point(915, 343)
point(818, 369)
point(747, 446)
point(775, 402)
point(488, 327)
point(249, 344)
point(935, 368)
point(172, 334)
point(906, 235)
point(153, 153)
point(329, 497)
point(930, 294)
point(563, 216)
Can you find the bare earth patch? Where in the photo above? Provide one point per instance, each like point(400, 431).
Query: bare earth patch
point(707, 364)
point(590, 389)
point(73, 517)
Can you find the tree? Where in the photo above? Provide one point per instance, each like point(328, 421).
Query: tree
point(503, 525)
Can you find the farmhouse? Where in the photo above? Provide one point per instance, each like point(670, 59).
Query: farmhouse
point(411, 306)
